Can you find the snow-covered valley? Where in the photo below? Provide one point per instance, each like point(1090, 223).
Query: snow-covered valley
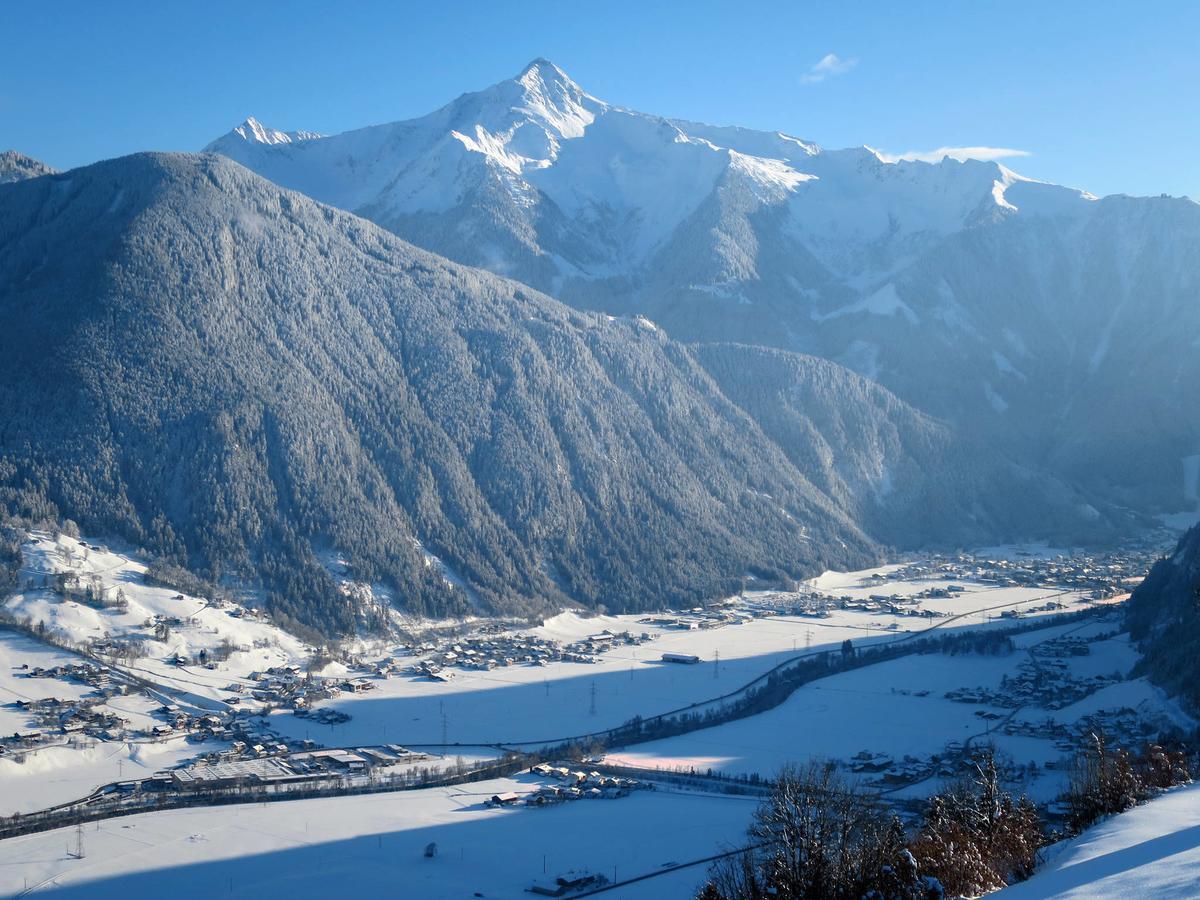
point(462, 694)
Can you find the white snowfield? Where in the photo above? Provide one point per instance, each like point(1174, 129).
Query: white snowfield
point(1151, 852)
point(873, 708)
point(376, 844)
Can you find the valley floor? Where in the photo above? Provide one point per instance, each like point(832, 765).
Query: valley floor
point(904, 725)
point(315, 848)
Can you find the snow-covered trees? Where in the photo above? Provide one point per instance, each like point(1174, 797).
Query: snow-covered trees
point(1107, 780)
point(820, 836)
point(977, 837)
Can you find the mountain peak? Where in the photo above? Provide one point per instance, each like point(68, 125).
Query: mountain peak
point(548, 94)
point(545, 70)
point(253, 131)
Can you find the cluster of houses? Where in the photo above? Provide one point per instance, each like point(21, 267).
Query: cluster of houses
point(492, 649)
point(570, 883)
point(84, 716)
point(1065, 646)
point(816, 605)
point(56, 718)
point(954, 761)
point(1123, 727)
point(711, 617)
point(288, 687)
point(1099, 577)
point(572, 785)
point(1044, 683)
point(80, 673)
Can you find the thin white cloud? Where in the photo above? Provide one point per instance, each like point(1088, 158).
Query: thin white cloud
point(827, 66)
point(960, 153)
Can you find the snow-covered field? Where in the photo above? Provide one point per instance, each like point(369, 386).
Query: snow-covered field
point(1152, 851)
point(527, 705)
point(53, 775)
point(898, 708)
point(317, 848)
point(874, 708)
point(17, 650)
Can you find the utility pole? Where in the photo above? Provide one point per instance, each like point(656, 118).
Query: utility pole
point(592, 711)
point(716, 664)
point(444, 741)
point(77, 853)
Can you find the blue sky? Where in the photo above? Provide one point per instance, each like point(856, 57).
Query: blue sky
point(1101, 95)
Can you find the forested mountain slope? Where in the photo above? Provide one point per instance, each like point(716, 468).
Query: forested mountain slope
point(1164, 617)
point(907, 479)
point(247, 382)
point(235, 376)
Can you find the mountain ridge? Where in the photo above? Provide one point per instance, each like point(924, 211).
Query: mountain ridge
point(243, 381)
point(1036, 297)
point(16, 166)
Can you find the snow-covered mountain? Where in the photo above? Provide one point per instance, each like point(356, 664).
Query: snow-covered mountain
point(254, 132)
point(245, 381)
point(16, 166)
point(1040, 316)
